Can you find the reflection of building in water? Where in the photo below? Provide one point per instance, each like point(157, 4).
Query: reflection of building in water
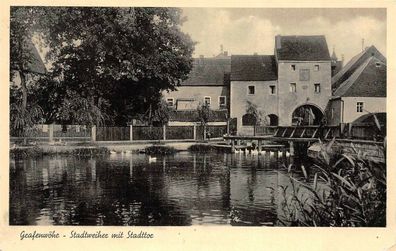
point(93, 169)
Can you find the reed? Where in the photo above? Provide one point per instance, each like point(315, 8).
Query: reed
point(347, 191)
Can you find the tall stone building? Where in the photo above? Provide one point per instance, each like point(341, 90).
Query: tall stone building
point(292, 86)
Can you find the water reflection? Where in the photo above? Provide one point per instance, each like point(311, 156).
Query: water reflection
point(184, 189)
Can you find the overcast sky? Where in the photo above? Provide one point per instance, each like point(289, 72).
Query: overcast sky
point(246, 31)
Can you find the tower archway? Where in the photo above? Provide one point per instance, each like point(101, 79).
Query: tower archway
point(307, 115)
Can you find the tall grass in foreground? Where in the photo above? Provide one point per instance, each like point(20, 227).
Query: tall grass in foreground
point(347, 191)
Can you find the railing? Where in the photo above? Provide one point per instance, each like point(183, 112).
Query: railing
point(360, 131)
point(264, 130)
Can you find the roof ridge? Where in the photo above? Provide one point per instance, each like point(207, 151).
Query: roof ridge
point(247, 55)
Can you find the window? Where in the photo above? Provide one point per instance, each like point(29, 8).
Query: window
point(332, 113)
point(207, 100)
point(272, 89)
point(170, 101)
point(317, 88)
point(359, 107)
point(251, 89)
point(293, 87)
point(293, 67)
point(316, 67)
point(304, 75)
point(222, 101)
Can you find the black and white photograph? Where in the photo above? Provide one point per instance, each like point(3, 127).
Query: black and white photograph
point(182, 116)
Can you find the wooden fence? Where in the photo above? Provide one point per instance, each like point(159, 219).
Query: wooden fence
point(112, 133)
point(54, 131)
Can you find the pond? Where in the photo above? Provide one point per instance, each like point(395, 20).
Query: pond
point(178, 190)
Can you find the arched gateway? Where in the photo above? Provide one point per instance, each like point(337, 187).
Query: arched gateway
point(307, 115)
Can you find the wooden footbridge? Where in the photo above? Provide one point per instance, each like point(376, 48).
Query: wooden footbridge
point(288, 135)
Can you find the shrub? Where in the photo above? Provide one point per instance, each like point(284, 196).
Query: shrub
point(20, 153)
point(160, 150)
point(91, 151)
point(353, 195)
point(201, 148)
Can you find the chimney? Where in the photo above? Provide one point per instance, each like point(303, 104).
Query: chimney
point(221, 49)
point(225, 53)
point(342, 60)
point(278, 42)
point(255, 54)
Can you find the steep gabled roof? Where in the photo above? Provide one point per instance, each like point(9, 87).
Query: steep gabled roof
point(253, 68)
point(33, 62)
point(208, 72)
point(354, 63)
point(302, 48)
point(369, 80)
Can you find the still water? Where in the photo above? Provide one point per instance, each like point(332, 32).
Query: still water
point(183, 189)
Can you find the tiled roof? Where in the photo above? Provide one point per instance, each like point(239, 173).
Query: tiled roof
point(369, 118)
point(369, 80)
point(253, 68)
point(192, 116)
point(209, 72)
point(302, 48)
point(353, 64)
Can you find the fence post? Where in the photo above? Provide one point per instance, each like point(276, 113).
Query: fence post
point(164, 132)
point(259, 146)
point(232, 146)
point(291, 150)
point(51, 132)
point(195, 131)
point(130, 132)
point(93, 133)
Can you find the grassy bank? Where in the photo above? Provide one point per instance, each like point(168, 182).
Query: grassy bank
point(33, 152)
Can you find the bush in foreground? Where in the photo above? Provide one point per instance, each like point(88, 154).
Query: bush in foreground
point(352, 193)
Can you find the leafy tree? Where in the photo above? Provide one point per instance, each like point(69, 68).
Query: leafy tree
point(162, 113)
point(25, 68)
point(107, 63)
point(126, 56)
point(252, 109)
point(205, 114)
